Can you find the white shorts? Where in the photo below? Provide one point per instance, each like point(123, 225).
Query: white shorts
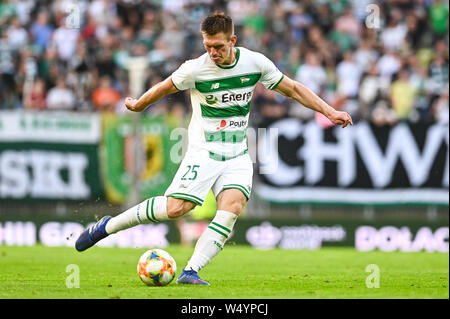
point(198, 173)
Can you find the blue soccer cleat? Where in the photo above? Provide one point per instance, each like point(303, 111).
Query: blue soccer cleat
point(191, 277)
point(92, 235)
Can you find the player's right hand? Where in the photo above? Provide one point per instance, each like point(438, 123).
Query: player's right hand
point(131, 104)
point(341, 118)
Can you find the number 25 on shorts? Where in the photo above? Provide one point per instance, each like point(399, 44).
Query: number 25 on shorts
point(191, 173)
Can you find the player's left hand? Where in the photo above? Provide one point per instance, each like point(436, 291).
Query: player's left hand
point(341, 118)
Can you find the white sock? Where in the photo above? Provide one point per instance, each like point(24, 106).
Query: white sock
point(212, 240)
point(152, 210)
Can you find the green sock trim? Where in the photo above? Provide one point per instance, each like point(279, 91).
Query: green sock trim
point(148, 216)
point(223, 234)
point(223, 227)
point(153, 212)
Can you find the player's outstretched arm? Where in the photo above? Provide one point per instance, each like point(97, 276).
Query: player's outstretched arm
point(308, 98)
point(154, 94)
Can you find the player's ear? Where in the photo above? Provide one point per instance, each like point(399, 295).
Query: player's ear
point(233, 39)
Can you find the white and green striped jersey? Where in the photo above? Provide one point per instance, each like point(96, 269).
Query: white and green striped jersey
point(221, 98)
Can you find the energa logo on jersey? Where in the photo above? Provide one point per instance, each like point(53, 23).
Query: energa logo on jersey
point(236, 97)
point(229, 97)
point(211, 99)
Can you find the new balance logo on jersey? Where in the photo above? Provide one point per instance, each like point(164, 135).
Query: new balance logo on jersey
point(215, 86)
point(243, 80)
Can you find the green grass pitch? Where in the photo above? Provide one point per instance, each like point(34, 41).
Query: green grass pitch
point(237, 272)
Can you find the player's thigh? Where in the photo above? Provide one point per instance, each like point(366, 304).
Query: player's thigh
point(231, 200)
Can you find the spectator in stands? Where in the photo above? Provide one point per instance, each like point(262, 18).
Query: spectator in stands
point(421, 84)
point(312, 74)
point(24, 8)
point(348, 76)
point(347, 30)
point(389, 64)
point(7, 10)
point(37, 98)
point(394, 34)
point(348, 24)
point(65, 40)
point(173, 36)
point(439, 17)
point(17, 35)
point(105, 96)
point(370, 91)
point(438, 74)
point(6, 61)
point(366, 54)
point(105, 64)
point(322, 17)
point(402, 96)
point(299, 20)
point(61, 97)
point(440, 108)
point(41, 30)
point(415, 31)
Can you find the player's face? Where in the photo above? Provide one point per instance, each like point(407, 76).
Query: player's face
point(219, 47)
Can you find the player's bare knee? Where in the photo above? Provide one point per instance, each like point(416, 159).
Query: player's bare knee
point(234, 206)
point(231, 200)
point(238, 206)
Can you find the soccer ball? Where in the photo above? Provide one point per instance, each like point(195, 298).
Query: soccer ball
point(156, 267)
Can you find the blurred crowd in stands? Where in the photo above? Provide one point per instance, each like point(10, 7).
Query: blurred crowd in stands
point(383, 61)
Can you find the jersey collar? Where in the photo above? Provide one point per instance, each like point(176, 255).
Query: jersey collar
point(231, 65)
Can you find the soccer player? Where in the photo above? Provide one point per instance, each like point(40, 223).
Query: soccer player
point(221, 84)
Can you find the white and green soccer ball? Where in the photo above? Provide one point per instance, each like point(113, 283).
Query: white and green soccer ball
point(156, 267)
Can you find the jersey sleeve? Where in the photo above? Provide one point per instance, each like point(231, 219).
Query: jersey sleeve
point(270, 75)
point(183, 77)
